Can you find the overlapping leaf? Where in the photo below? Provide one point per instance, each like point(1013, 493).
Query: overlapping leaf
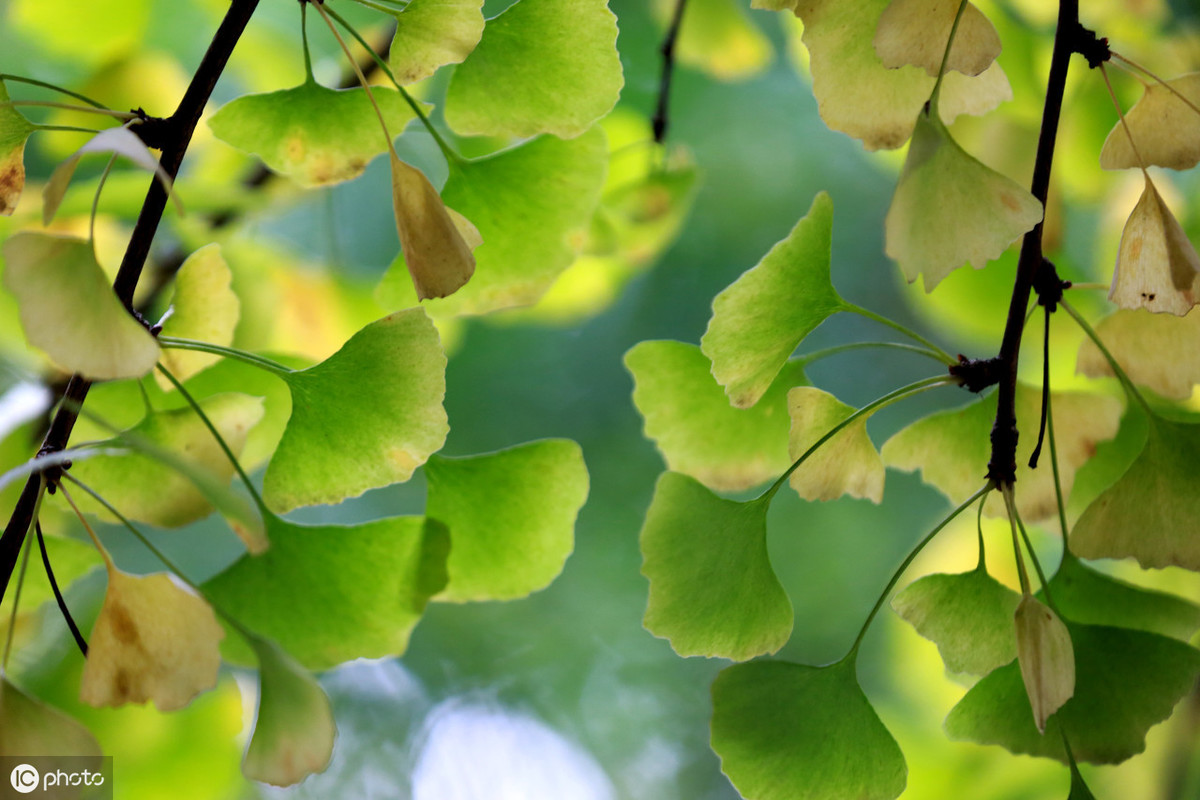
point(542, 66)
point(1157, 267)
point(511, 516)
point(793, 732)
point(435, 241)
point(433, 33)
point(29, 726)
point(332, 593)
point(1165, 128)
point(204, 308)
point(712, 589)
point(760, 318)
point(1046, 658)
point(916, 32)
point(314, 135)
point(697, 431)
point(950, 210)
point(14, 130)
point(69, 310)
point(847, 463)
point(365, 417)
point(1149, 348)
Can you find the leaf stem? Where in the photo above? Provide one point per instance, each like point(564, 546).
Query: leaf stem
point(942, 355)
point(12, 617)
point(1037, 564)
point(817, 355)
point(177, 343)
point(5, 76)
point(908, 561)
point(96, 199)
point(1179, 95)
point(308, 71)
point(58, 596)
point(66, 128)
point(937, 87)
point(123, 115)
point(1124, 125)
point(1126, 383)
point(1011, 505)
point(1058, 492)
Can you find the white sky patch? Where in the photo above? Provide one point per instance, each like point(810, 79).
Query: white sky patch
point(21, 403)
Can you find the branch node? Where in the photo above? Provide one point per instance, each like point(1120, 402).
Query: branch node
point(1049, 286)
point(1090, 46)
point(977, 374)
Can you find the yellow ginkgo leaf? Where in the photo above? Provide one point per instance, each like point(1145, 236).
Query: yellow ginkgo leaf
point(950, 210)
point(1153, 349)
point(437, 245)
point(845, 464)
point(1046, 657)
point(152, 641)
point(1157, 267)
point(28, 725)
point(916, 32)
point(204, 308)
point(1164, 126)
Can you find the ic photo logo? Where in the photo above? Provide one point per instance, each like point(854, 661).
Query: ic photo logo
point(24, 778)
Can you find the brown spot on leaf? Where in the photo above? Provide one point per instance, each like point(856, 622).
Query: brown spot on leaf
point(1010, 202)
point(123, 627)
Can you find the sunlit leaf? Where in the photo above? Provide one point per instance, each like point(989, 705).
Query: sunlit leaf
point(1125, 682)
point(916, 32)
point(718, 39)
point(1046, 658)
point(1157, 267)
point(529, 204)
point(857, 95)
point(511, 516)
point(294, 728)
point(432, 33)
point(697, 431)
point(1150, 513)
point(69, 310)
point(28, 726)
point(1149, 347)
point(793, 732)
point(1165, 128)
point(365, 417)
point(712, 589)
point(97, 31)
point(332, 593)
point(14, 130)
point(153, 641)
point(969, 616)
point(542, 66)
point(846, 464)
point(952, 448)
point(950, 210)
point(437, 254)
point(204, 308)
point(314, 135)
point(760, 318)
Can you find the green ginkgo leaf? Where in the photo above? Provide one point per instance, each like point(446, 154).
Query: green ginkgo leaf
point(916, 32)
point(1125, 682)
point(332, 593)
point(969, 616)
point(530, 204)
point(294, 728)
point(712, 589)
point(314, 135)
point(204, 308)
point(433, 33)
point(69, 310)
point(952, 448)
point(1150, 513)
point(1150, 348)
point(697, 432)
point(365, 417)
point(950, 210)
point(793, 732)
point(542, 66)
point(760, 318)
point(511, 516)
point(28, 726)
point(847, 463)
point(14, 130)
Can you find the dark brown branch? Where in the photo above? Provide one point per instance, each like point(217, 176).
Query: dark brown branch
point(661, 119)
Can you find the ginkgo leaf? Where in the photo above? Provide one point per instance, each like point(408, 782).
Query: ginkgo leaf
point(14, 131)
point(69, 310)
point(137, 484)
point(1150, 513)
point(846, 464)
point(950, 210)
point(331, 593)
point(511, 516)
point(314, 135)
point(697, 432)
point(916, 32)
point(1149, 348)
point(438, 256)
point(294, 728)
point(1157, 267)
point(1084, 595)
point(645, 216)
point(760, 318)
point(969, 616)
point(204, 308)
point(432, 33)
point(857, 95)
point(542, 66)
point(952, 448)
point(1046, 658)
point(529, 204)
point(718, 38)
point(153, 641)
point(712, 589)
point(119, 141)
point(1164, 126)
point(347, 435)
point(1125, 682)
point(789, 731)
point(29, 726)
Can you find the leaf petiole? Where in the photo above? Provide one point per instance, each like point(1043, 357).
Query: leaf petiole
point(937, 87)
point(942, 355)
point(123, 115)
point(817, 355)
point(177, 343)
point(1130, 389)
point(4, 76)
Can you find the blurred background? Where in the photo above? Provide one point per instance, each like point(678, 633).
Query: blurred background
point(563, 695)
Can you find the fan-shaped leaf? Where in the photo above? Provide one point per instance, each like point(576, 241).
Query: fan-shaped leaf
point(846, 464)
point(28, 726)
point(916, 32)
point(1148, 347)
point(1046, 658)
point(1164, 127)
point(437, 246)
point(14, 130)
point(432, 33)
point(1157, 267)
point(204, 308)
